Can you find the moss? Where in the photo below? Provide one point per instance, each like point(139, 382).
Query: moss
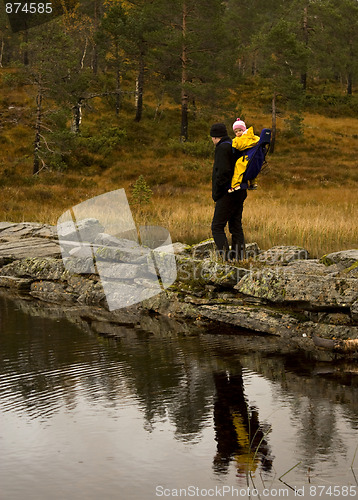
point(326, 261)
point(206, 241)
point(353, 266)
point(106, 253)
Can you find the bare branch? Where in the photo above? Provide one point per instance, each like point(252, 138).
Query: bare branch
point(46, 143)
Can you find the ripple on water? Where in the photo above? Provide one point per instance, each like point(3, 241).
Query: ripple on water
point(85, 417)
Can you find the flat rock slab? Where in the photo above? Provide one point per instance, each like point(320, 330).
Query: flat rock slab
point(266, 320)
point(20, 284)
point(10, 230)
point(6, 225)
point(30, 247)
point(261, 319)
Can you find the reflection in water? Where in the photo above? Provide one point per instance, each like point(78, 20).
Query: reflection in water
point(238, 431)
point(83, 416)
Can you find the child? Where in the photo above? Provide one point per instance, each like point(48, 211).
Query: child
point(245, 138)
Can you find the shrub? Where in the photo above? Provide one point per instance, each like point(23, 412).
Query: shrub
point(103, 143)
point(293, 127)
point(198, 149)
point(141, 192)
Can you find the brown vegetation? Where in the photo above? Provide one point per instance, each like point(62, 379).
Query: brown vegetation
point(308, 197)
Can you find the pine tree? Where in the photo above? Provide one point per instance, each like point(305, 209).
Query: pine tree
point(336, 40)
point(53, 72)
point(283, 59)
point(189, 51)
point(111, 38)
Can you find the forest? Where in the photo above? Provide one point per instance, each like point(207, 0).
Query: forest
point(109, 94)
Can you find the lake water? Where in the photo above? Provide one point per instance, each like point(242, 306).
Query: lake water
point(167, 415)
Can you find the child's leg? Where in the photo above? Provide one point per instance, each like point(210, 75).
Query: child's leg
point(253, 184)
point(239, 170)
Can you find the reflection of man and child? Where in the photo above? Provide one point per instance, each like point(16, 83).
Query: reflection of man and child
point(238, 433)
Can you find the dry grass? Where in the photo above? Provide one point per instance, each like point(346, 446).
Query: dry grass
point(309, 197)
point(314, 219)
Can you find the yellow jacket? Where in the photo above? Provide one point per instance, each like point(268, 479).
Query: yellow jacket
point(247, 140)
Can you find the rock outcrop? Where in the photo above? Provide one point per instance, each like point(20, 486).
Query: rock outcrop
point(281, 291)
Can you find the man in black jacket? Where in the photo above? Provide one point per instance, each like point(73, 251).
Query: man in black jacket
point(228, 206)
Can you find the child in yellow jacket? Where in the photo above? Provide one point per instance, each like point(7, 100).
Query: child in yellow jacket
point(245, 138)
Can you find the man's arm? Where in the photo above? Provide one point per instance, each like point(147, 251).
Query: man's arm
point(225, 166)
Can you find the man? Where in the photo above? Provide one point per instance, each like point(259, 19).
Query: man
point(228, 206)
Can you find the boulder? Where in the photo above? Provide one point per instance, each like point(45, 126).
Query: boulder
point(124, 251)
point(168, 304)
point(252, 250)
point(84, 251)
point(107, 240)
point(21, 284)
point(51, 292)
point(83, 230)
point(310, 266)
point(176, 248)
point(316, 291)
point(120, 271)
point(343, 259)
point(352, 271)
point(354, 311)
point(282, 254)
point(203, 250)
point(207, 271)
point(80, 265)
point(36, 269)
point(206, 249)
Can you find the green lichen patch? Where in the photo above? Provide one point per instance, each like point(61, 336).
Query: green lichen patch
point(352, 267)
point(326, 261)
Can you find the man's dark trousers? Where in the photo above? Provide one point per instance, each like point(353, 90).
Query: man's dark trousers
point(228, 209)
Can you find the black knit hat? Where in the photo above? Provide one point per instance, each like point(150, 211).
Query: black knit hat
point(218, 130)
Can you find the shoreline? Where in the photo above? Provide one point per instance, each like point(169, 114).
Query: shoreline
point(308, 304)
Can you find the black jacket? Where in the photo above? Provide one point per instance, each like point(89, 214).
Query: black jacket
point(223, 168)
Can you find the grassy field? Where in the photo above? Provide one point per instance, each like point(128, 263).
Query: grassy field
point(308, 197)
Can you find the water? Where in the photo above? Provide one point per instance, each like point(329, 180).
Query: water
point(167, 415)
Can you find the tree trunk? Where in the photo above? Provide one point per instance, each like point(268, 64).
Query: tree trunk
point(305, 38)
point(194, 108)
point(304, 80)
point(82, 63)
point(349, 84)
point(350, 74)
point(139, 89)
point(118, 80)
point(26, 52)
point(273, 132)
point(95, 49)
point(254, 66)
point(158, 112)
point(2, 51)
point(184, 78)
point(77, 117)
point(37, 141)
point(184, 118)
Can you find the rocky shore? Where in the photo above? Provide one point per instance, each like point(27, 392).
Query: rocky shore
point(309, 304)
